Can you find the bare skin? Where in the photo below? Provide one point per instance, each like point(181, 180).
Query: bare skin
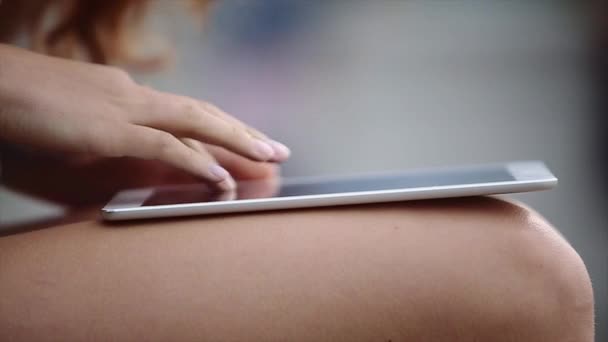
point(92, 182)
point(456, 270)
point(83, 109)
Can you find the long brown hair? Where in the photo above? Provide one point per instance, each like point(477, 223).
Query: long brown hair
point(98, 31)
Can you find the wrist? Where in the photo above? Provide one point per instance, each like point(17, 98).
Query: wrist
point(7, 53)
point(12, 88)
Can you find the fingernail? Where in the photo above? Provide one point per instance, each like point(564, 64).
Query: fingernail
point(281, 152)
point(227, 195)
point(263, 150)
point(219, 172)
point(227, 184)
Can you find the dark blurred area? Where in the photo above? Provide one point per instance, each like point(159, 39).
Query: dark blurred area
point(355, 86)
point(599, 70)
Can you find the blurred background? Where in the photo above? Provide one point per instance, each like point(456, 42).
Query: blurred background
point(355, 86)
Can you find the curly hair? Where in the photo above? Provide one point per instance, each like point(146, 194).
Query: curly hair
point(98, 31)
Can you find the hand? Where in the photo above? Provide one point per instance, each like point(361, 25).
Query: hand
point(79, 108)
point(93, 181)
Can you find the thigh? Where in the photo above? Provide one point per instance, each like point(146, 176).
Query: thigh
point(404, 271)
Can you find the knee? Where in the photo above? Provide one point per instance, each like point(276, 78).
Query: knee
point(559, 275)
point(546, 290)
point(468, 269)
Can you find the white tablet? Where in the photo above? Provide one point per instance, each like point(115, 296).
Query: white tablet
point(200, 199)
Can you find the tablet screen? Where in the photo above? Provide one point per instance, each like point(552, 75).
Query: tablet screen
point(257, 189)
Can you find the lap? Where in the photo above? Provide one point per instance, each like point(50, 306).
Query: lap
point(373, 272)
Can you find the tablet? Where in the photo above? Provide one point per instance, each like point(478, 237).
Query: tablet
point(201, 199)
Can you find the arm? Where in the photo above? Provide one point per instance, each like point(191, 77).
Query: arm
point(52, 105)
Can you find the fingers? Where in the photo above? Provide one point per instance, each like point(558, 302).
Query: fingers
point(186, 117)
point(148, 143)
point(281, 152)
point(242, 168)
point(258, 179)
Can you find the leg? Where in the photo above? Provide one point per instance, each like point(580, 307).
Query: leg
point(455, 270)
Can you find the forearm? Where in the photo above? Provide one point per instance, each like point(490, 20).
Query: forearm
point(16, 64)
point(6, 94)
point(17, 91)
